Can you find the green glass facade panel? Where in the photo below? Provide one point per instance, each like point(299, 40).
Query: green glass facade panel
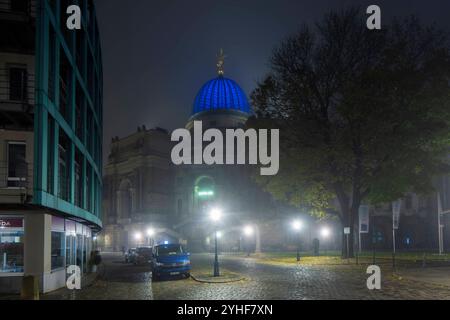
point(69, 94)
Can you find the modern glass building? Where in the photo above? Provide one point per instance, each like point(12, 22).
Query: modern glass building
point(50, 141)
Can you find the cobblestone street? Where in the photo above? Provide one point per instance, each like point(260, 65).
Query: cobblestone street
point(263, 281)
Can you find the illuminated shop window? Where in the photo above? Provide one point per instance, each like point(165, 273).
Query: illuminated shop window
point(11, 245)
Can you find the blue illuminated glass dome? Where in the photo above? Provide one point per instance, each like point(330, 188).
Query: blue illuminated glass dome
point(221, 94)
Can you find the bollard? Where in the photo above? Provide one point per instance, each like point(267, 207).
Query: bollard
point(30, 288)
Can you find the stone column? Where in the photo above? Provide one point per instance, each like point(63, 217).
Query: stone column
point(37, 245)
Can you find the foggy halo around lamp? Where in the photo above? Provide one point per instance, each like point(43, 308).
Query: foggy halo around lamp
point(215, 215)
point(297, 225)
point(325, 232)
point(248, 230)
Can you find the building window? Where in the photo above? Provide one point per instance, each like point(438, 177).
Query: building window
point(88, 187)
point(80, 41)
point(78, 179)
point(17, 165)
point(71, 242)
point(52, 4)
point(89, 131)
point(70, 249)
point(50, 155)
point(86, 251)
point(95, 197)
point(58, 248)
point(67, 33)
point(11, 245)
point(51, 64)
point(91, 74)
point(79, 112)
point(64, 167)
point(64, 87)
point(80, 251)
point(19, 5)
point(17, 84)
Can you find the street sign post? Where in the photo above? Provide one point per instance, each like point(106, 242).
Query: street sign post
point(396, 206)
point(347, 232)
point(363, 215)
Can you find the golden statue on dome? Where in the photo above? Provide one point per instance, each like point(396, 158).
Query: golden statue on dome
point(220, 62)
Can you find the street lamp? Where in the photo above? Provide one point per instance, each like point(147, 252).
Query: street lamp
point(248, 232)
point(208, 243)
point(94, 238)
point(138, 237)
point(150, 234)
point(297, 226)
point(325, 233)
point(215, 215)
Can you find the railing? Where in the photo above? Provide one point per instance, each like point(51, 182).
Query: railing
point(19, 91)
point(19, 7)
point(18, 184)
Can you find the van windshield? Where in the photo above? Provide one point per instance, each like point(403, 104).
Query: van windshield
point(169, 250)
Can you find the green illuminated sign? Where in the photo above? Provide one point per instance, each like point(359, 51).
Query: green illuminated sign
point(205, 193)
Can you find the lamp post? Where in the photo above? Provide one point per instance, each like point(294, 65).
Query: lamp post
point(137, 237)
point(248, 232)
point(150, 234)
point(95, 242)
point(215, 215)
point(297, 226)
point(325, 233)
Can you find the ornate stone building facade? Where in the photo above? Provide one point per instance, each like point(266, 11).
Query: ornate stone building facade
point(138, 189)
point(144, 190)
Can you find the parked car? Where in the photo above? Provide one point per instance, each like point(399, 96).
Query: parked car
point(170, 260)
point(130, 255)
point(143, 256)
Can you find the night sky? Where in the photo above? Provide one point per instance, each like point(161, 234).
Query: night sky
point(158, 53)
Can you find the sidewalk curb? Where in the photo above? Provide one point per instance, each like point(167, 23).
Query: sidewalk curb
point(210, 279)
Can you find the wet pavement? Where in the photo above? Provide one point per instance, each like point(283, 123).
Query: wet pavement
point(122, 281)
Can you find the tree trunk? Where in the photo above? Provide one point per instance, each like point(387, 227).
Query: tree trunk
point(348, 213)
point(348, 221)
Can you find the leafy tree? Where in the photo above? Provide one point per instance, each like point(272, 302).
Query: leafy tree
point(363, 114)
